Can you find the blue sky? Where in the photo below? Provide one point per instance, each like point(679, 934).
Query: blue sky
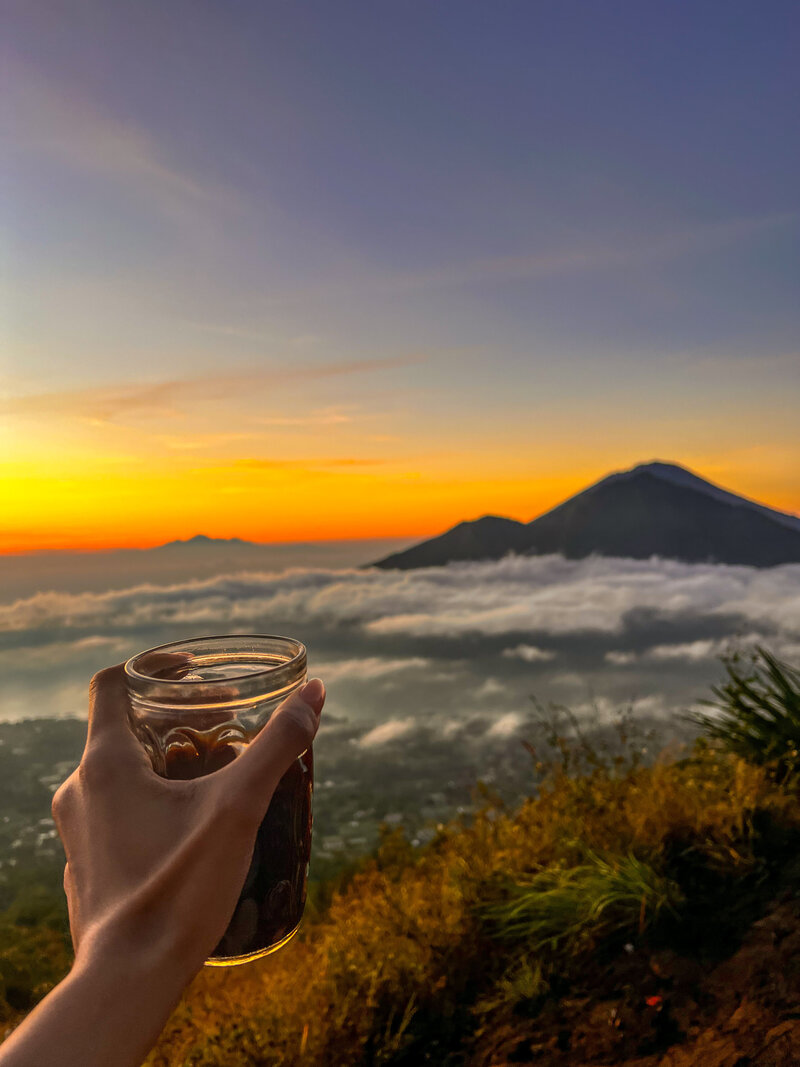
point(576, 220)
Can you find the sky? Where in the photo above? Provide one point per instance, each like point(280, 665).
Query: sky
point(307, 271)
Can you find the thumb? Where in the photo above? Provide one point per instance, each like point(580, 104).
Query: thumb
point(289, 732)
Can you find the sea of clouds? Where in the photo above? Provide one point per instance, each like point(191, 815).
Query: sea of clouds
point(451, 652)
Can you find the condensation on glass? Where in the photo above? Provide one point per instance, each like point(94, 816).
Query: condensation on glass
point(195, 706)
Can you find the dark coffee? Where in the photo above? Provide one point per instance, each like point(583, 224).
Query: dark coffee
point(195, 706)
point(271, 903)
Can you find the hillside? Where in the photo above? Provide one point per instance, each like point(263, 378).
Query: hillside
point(655, 509)
point(628, 915)
point(624, 915)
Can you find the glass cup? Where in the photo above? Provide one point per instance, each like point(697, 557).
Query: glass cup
point(195, 715)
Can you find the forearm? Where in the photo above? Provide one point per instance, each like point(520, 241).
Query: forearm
point(108, 1012)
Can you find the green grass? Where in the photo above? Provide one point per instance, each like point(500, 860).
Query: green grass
point(756, 713)
point(561, 907)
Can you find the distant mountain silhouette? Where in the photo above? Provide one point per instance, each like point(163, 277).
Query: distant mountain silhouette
point(201, 540)
point(655, 509)
point(488, 538)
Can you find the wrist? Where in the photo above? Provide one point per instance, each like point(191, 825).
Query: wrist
point(109, 1009)
point(132, 988)
point(115, 953)
point(139, 939)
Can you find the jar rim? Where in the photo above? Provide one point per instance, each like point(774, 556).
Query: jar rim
point(138, 680)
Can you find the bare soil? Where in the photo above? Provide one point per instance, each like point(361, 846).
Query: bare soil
point(667, 1009)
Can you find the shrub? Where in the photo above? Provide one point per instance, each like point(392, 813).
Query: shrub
point(402, 960)
point(757, 713)
point(415, 950)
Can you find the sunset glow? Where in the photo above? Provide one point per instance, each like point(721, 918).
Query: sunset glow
point(96, 497)
point(280, 290)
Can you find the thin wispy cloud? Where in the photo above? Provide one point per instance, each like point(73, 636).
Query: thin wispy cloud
point(618, 657)
point(60, 653)
point(492, 687)
point(688, 651)
point(386, 732)
point(506, 725)
point(53, 121)
point(691, 650)
point(261, 336)
point(169, 398)
point(259, 464)
point(625, 251)
point(529, 653)
point(367, 668)
point(196, 442)
point(314, 418)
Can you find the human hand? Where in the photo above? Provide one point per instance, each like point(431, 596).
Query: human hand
point(159, 863)
point(154, 870)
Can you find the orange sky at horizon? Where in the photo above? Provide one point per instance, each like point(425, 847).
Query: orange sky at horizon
point(337, 498)
point(344, 450)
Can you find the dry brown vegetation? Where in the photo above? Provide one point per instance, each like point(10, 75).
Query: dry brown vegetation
point(408, 966)
point(624, 914)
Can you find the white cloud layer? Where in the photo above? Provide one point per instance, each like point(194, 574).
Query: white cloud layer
point(546, 594)
point(505, 725)
point(619, 658)
point(529, 653)
point(693, 651)
point(59, 653)
point(690, 650)
point(438, 643)
point(490, 688)
point(367, 667)
point(387, 731)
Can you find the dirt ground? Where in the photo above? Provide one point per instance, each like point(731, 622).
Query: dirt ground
point(669, 1010)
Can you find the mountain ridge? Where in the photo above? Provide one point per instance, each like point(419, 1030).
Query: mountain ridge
point(681, 476)
point(652, 509)
point(203, 540)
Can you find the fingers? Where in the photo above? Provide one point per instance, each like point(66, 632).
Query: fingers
point(108, 703)
point(286, 736)
point(164, 665)
point(110, 743)
point(108, 694)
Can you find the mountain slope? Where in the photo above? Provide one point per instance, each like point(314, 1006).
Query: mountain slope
point(655, 509)
point(488, 538)
point(671, 472)
point(647, 516)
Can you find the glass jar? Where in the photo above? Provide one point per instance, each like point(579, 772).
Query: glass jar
point(195, 715)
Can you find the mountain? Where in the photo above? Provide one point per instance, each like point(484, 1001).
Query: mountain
point(25, 574)
point(488, 538)
point(203, 541)
point(671, 472)
point(654, 509)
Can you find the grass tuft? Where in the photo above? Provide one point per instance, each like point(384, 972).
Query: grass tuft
point(756, 713)
point(560, 907)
